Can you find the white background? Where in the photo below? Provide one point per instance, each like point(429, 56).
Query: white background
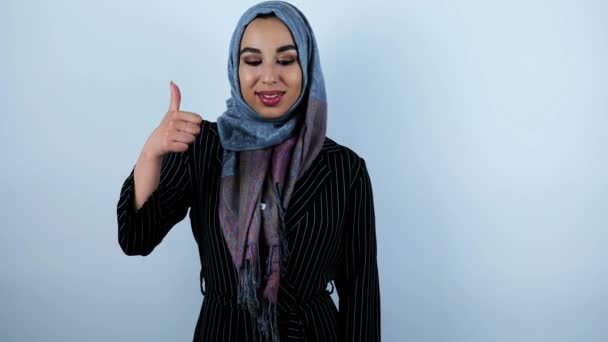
point(483, 125)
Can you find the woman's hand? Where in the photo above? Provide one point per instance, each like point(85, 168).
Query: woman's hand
point(176, 131)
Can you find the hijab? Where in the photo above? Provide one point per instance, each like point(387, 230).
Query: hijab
point(262, 160)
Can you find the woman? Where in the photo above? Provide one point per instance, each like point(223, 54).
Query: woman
point(277, 209)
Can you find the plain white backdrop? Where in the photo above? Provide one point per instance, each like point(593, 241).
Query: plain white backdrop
point(483, 125)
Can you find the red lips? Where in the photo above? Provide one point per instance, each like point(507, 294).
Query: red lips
point(270, 97)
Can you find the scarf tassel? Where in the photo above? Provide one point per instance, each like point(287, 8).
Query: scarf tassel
point(266, 316)
point(267, 320)
point(249, 279)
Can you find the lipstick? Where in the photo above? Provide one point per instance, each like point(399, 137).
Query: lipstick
point(270, 97)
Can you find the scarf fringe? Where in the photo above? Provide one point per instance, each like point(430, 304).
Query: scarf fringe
point(249, 279)
point(267, 322)
point(264, 312)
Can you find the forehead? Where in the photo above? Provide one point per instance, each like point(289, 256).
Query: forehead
point(266, 32)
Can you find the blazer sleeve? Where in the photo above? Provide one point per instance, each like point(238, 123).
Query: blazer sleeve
point(140, 231)
point(357, 280)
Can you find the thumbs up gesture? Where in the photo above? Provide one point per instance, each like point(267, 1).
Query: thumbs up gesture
point(176, 131)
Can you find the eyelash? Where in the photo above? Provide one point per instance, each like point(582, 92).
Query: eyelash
point(280, 62)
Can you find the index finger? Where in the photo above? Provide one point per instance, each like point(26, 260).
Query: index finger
point(190, 117)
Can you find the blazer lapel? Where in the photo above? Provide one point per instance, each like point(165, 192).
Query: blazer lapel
point(308, 187)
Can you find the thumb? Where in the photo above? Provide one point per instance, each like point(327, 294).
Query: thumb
point(176, 97)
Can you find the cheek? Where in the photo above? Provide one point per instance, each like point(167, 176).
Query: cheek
point(246, 79)
point(294, 79)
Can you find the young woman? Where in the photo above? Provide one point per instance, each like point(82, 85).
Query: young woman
point(277, 208)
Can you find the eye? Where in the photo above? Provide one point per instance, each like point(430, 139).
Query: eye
point(254, 63)
point(286, 62)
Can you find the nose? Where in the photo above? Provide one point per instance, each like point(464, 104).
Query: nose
point(269, 74)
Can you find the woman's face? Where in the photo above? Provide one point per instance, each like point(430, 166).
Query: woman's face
point(270, 76)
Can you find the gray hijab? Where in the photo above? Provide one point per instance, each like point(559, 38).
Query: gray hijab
point(240, 127)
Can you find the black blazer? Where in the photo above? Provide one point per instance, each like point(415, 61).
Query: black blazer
point(330, 229)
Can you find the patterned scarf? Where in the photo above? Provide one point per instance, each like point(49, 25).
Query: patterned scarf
point(263, 158)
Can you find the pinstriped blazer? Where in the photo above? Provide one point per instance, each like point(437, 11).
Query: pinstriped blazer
point(330, 230)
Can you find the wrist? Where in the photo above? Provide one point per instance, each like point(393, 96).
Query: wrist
point(148, 156)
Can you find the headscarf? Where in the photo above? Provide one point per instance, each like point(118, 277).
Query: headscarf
point(263, 158)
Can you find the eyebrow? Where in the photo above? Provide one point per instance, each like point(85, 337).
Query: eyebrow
point(280, 49)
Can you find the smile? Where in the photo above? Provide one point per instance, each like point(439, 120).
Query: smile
point(270, 98)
